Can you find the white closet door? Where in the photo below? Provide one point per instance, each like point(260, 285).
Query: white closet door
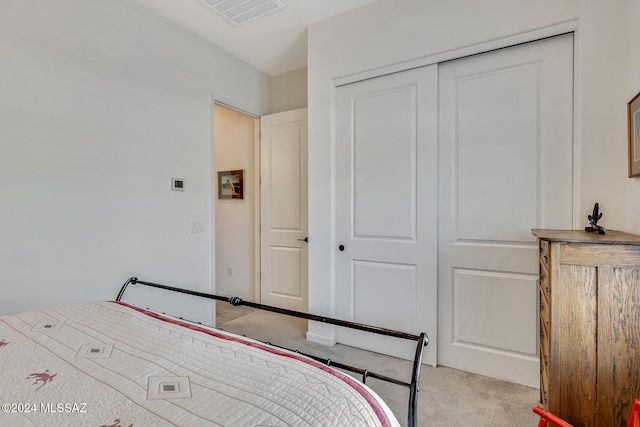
point(505, 167)
point(283, 196)
point(387, 208)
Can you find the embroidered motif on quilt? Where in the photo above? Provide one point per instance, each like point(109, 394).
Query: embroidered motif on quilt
point(43, 377)
point(47, 326)
point(116, 423)
point(168, 388)
point(4, 342)
point(94, 351)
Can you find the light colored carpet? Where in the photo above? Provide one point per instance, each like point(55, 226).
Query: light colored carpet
point(447, 397)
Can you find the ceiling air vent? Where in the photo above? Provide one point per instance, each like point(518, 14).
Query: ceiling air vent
point(240, 12)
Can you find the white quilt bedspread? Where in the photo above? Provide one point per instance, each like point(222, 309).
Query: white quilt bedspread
point(110, 364)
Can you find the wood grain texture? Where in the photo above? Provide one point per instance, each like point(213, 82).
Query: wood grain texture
point(572, 388)
point(618, 344)
point(592, 308)
point(626, 256)
point(612, 237)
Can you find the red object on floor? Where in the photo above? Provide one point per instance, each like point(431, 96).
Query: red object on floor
point(634, 417)
point(549, 417)
point(546, 417)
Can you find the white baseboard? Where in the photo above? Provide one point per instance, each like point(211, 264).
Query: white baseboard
point(321, 339)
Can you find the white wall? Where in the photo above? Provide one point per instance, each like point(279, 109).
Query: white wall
point(633, 87)
point(289, 91)
point(602, 95)
point(102, 102)
point(235, 148)
point(391, 32)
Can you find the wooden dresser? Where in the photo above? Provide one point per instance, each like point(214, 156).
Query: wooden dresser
point(589, 325)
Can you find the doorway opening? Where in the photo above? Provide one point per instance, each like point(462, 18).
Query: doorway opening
point(237, 215)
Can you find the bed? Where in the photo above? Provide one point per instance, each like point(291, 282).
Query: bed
point(112, 364)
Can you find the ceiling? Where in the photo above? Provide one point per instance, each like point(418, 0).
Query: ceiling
point(275, 43)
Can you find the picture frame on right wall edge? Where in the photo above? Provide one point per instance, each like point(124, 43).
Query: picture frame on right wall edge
point(633, 117)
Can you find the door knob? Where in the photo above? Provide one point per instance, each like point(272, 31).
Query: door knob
point(341, 247)
point(306, 239)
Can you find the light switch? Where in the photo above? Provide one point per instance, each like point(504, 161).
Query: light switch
point(198, 226)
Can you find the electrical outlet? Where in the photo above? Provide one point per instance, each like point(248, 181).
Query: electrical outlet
point(229, 271)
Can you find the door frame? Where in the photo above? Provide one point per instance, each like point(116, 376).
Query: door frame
point(213, 101)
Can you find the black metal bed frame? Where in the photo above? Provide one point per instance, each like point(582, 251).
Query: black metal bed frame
point(422, 339)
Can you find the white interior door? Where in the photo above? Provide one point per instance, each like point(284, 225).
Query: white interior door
point(283, 194)
point(505, 150)
point(387, 208)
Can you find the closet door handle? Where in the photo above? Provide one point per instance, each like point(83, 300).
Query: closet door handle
point(341, 248)
point(306, 239)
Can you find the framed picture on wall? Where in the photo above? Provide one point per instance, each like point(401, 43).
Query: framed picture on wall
point(633, 116)
point(230, 184)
